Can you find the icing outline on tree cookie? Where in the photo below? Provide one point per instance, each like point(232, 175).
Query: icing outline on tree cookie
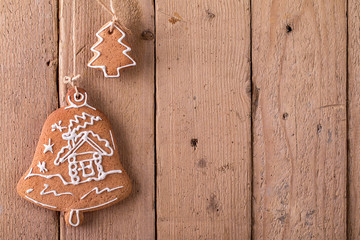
point(103, 67)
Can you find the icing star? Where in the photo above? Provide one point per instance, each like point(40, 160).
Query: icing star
point(42, 168)
point(48, 147)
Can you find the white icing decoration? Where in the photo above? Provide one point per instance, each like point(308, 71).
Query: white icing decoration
point(29, 190)
point(67, 183)
point(43, 204)
point(76, 136)
point(53, 191)
point(58, 126)
point(99, 192)
point(112, 139)
point(77, 217)
point(41, 166)
point(73, 105)
point(48, 147)
point(83, 209)
point(75, 141)
point(71, 134)
point(79, 99)
point(30, 174)
point(98, 53)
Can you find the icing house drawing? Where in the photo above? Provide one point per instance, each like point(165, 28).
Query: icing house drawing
point(84, 151)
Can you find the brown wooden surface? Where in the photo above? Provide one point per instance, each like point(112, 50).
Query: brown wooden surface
point(244, 104)
point(299, 93)
point(28, 62)
point(128, 102)
point(203, 119)
point(354, 119)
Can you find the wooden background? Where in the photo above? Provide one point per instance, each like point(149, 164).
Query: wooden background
point(241, 120)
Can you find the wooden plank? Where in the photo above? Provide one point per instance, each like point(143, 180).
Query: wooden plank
point(203, 119)
point(353, 119)
point(299, 76)
point(128, 102)
point(28, 63)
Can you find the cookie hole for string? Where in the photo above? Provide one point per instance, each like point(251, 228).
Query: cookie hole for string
point(78, 97)
point(112, 27)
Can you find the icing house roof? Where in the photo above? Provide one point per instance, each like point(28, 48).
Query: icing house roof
point(86, 137)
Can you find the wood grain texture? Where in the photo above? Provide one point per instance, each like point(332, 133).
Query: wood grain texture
point(28, 45)
point(354, 119)
point(299, 76)
point(203, 119)
point(128, 102)
point(206, 174)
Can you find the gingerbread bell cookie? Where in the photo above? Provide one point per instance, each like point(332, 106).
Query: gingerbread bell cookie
point(111, 51)
point(76, 167)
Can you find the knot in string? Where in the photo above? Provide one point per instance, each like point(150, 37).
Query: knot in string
point(71, 80)
point(114, 19)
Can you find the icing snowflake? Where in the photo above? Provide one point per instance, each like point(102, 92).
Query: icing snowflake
point(42, 167)
point(57, 126)
point(48, 147)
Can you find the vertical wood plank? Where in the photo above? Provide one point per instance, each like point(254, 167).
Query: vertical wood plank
point(28, 63)
point(354, 118)
point(128, 102)
point(203, 119)
point(299, 75)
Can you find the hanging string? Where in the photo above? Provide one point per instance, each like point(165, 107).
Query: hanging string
point(114, 19)
point(74, 77)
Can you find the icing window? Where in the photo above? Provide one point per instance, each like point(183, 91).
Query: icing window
point(87, 168)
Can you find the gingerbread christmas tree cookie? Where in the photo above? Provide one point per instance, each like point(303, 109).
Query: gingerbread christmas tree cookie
point(111, 51)
point(76, 166)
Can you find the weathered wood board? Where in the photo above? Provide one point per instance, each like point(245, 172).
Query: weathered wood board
point(244, 104)
point(28, 63)
point(299, 126)
point(128, 102)
point(354, 119)
point(203, 124)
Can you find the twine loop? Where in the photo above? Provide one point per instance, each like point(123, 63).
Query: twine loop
point(114, 19)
